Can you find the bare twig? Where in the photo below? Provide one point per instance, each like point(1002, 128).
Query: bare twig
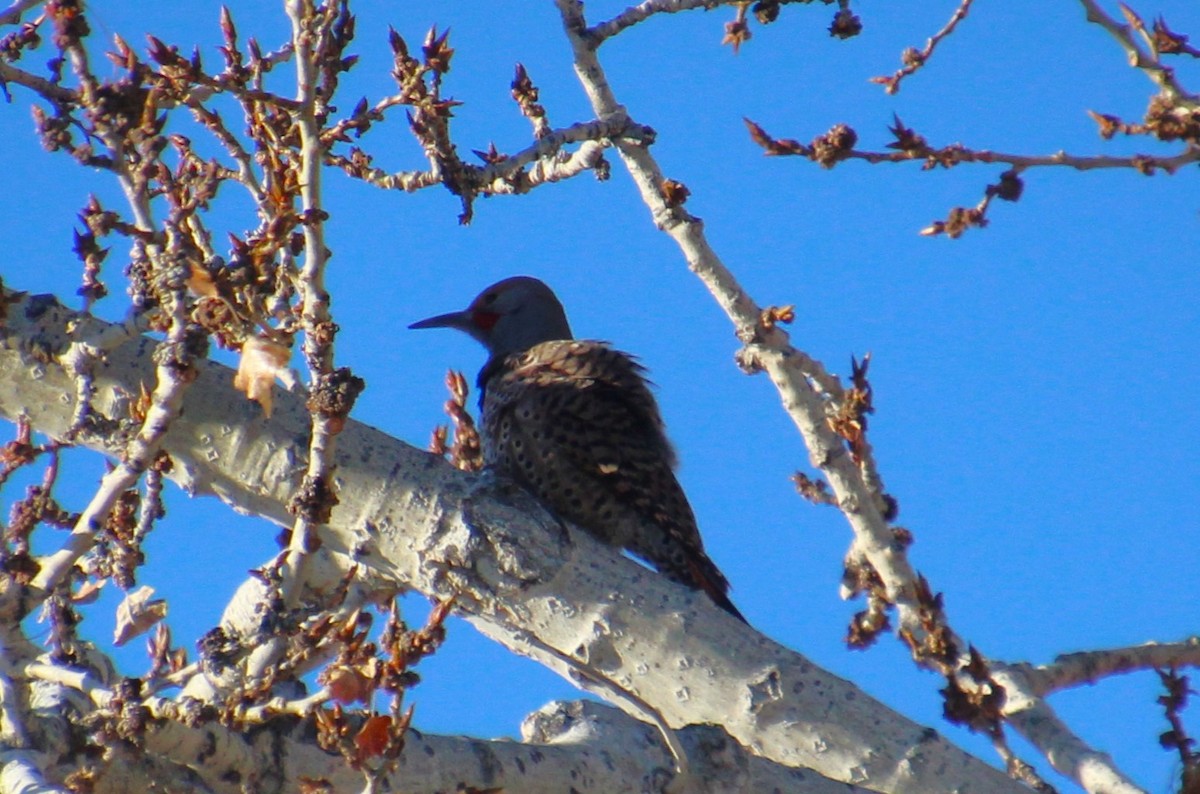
point(245, 170)
point(12, 14)
point(1174, 701)
point(1088, 667)
point(172, 382)
point(311, 37)
point(914, 59)
point(1139, 58)
point(837, 146)
point(631, 16)
point(921, 622)
point(955, 154)
point(57, 93)
point(588, 676)
point(845, 24)
point(174, 361)
point(506, 175)
point(1017, 768)
point(525, 93)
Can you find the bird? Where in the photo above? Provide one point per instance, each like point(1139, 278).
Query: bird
point(574, 422)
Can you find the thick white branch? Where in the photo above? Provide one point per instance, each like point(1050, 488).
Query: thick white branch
point(409, 520)
point(21, 772)
point(579, 746)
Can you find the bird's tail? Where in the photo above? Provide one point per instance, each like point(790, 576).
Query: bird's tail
point(707, 577)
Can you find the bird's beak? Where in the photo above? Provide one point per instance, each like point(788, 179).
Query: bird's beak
point(459, 320)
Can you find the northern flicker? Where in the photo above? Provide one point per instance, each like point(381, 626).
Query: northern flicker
point(574, 422)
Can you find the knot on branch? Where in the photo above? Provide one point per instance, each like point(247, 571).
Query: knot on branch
point(180, 356)
point(334, 396)
point(973, 698)
point(480, 551)
point(1169, 120)
point(313, 501)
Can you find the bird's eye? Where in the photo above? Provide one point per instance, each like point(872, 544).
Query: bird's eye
point(489, 299)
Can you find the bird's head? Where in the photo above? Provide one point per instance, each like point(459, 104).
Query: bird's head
point(509, 316)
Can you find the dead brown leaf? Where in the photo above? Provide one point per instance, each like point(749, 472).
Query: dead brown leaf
point(262, 361)
point(137, 613)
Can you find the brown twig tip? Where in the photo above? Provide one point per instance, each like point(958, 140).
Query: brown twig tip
point(913, 59)
point(20, 450)
point(958, 221)
point(834, 146)
point(1009, 188)
point(466, 450)
point(815, 491)
point(907, 139)
point(437, 440)
point(522, 86)
point(827, 150)
point(1109, 125)
point(846, 24)
point(228, 29)
point(526, 95)
point(858, 577)
point(737, 32)
point(674, 193)
point(1169, 120)
point(850, 418)
point(866, 627)
point(490, 155)
point(1168, 42)
point(70, 26)
point(766, 11)
point(436, 50)
point(774, 146)
point(773, 315)
point(1165, 119)
point(363, 668)
point(979, 708)
point(1176, 738)
point(937, 647)
point(92, 255)
point(26, 36)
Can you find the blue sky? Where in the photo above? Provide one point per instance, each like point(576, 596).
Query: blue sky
point(1035, 382)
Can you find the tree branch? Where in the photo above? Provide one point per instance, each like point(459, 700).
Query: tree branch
point(914, 59)
point(1088, 667)
point(11, 74)
point(858, 490)
point(410, 521)
point(12, 14)
point(1163, 77)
